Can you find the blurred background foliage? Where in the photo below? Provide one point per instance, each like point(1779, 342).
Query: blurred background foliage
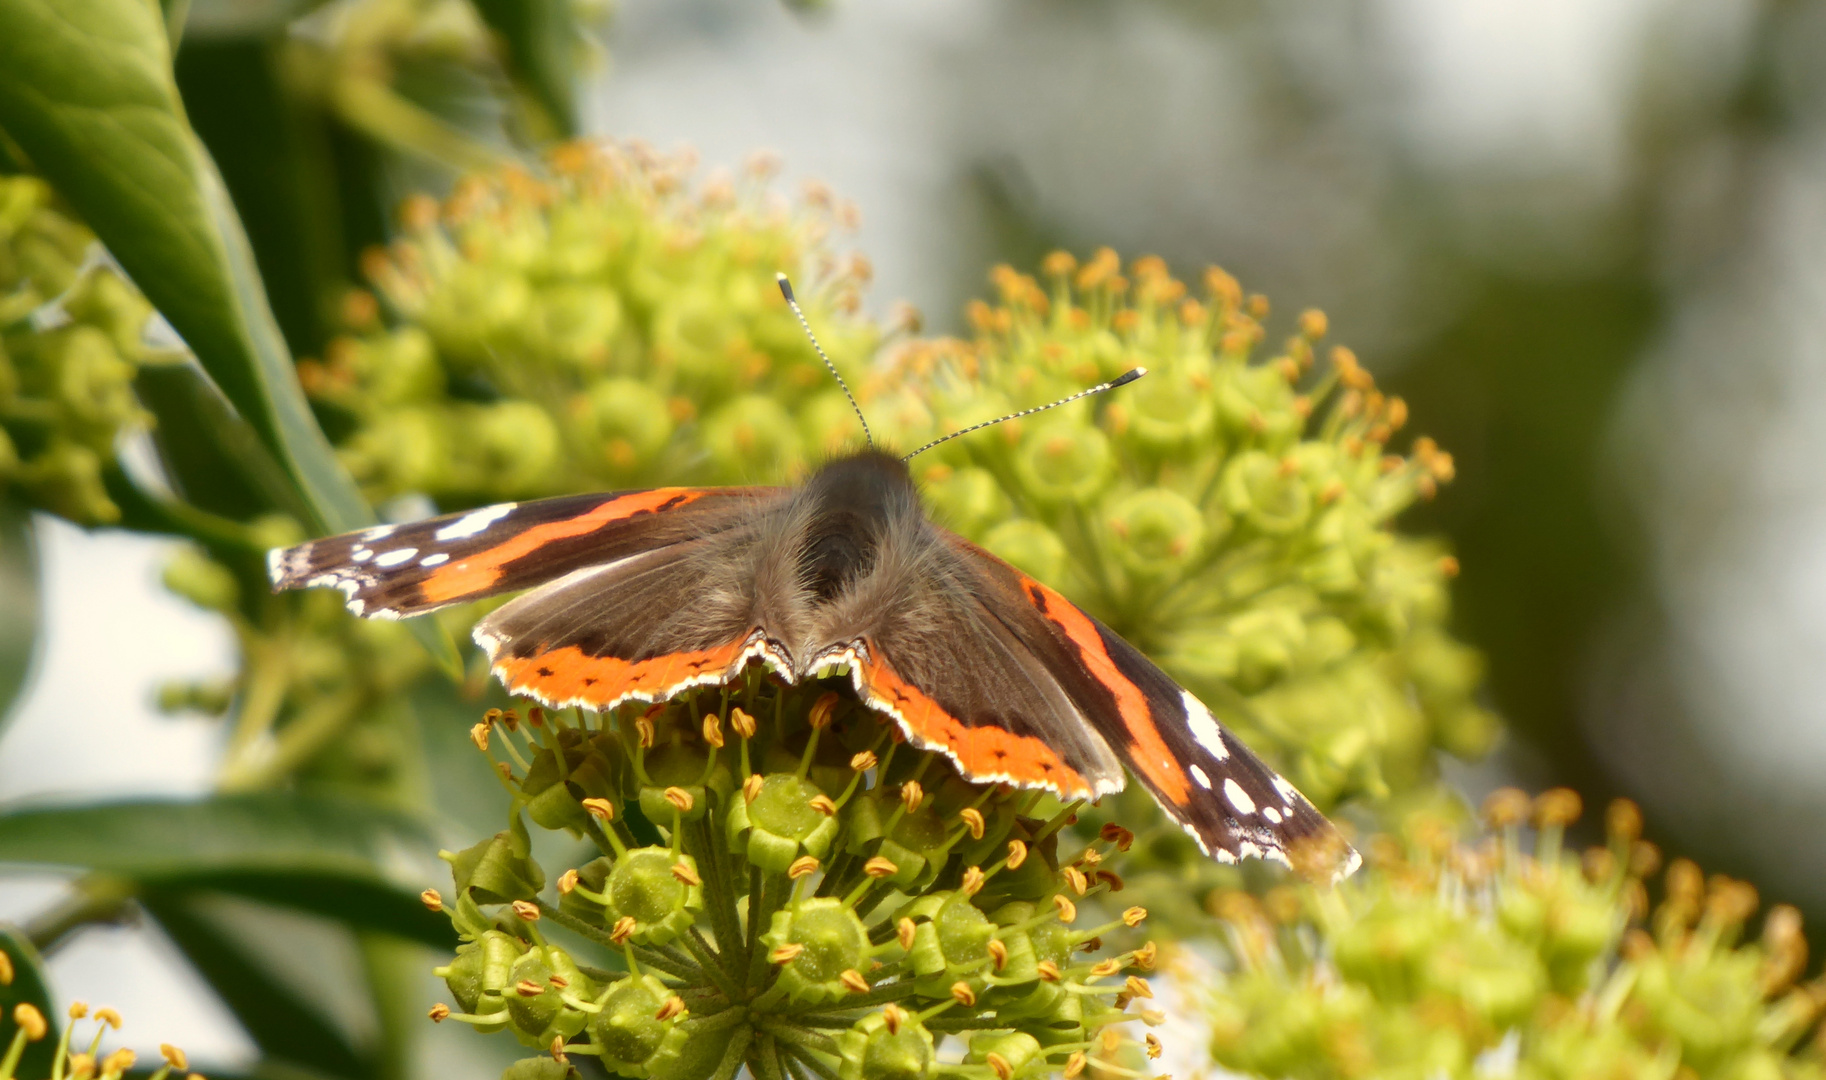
point(1593, 280)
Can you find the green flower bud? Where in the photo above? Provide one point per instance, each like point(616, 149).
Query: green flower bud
point(621, 423)
point(870, 1051)
point(780, 824)
point(1261, 491)
point(1020, 1050)
point(1172, 409)
point(196, 577)
point(967, 500)
point(475, 311)
point(479, 975)
point(507, 448)
point(754, 436)
point(1030, 546)
point(105, 300)
point(642, 886)
point(402, 450)
point(543, 1067)
point(400, 368)
point(627, 1027)
point(950, 940)
point(573, 324)
point(1062, 462)
point(831, 940)
point(498, 870)
point(1157, 532)
point(541, 986)
point(1257, 402)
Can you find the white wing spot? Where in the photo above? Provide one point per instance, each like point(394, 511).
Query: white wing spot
point(1273, 815)
point(1204, 728)
point(396, 558)
point(378, 532)
point(1289, 797)
point(1238, 797)
point(434, 560)
point(472, 523)
point(361, 554)
point(1204, 781)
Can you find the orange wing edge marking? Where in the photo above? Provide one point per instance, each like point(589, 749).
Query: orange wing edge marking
point(1023, 760)
point(566, 677)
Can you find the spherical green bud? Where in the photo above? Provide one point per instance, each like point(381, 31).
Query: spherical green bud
point(573, 325)
point(967, 500)
point(196, 577)
point(1030, 546)
point(1064, 462)
point(105, 300)
point(508, 448)
point(474, 310)
point(398, 369)
point(642, 886)
point(401, 450)
point(780, 824)
point(950, 940)
point(831, 940)
point(1020, 1050)
point(619, 425)
point(753, 437)
point(479, 973)
point(1497, 978)
point(1260, 490)
point(1171, 409)
point(1257, 402)
point(543, 1067)
point(1157, 532)
point(627, 1028)
point(538, 985)
point(870, 1051)
point(692, 331)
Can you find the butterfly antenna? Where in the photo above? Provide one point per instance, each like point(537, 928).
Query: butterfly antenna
point(786, 290)
point(1123, 379)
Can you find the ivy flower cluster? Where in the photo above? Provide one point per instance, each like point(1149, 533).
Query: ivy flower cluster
point(70, 342)
point(1231, 513)
point(1448, 951)
point(772, 878)
point(611, 325)
point(30, 1026)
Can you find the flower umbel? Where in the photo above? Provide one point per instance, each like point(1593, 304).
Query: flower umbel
point(805, 895)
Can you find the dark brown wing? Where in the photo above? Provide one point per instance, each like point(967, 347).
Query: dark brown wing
point(645, 627)
point(1232, 803)
point(923, 646)
point(394, 571)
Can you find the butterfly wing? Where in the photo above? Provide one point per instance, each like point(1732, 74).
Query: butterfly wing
point(395, 571)
point(1224, 796)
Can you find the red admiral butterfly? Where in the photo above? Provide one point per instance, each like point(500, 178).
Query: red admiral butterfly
point(641, 595)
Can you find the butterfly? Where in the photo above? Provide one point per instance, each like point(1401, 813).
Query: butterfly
point(643, 595)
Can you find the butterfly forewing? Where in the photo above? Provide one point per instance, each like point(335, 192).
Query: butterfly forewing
point(393, 571)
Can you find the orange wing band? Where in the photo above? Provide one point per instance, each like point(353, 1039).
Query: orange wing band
point(481, 570)
point(981, 752)
point(1148, 752)
point(567, 675)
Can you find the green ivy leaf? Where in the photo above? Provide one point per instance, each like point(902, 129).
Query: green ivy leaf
point(344, 860)
point(86, 90)
point(27, 988)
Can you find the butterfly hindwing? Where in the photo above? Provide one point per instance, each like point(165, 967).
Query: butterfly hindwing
point(1224, 796)
point(393, 571)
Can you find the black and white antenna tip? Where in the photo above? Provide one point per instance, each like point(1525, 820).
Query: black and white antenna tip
point(1128, 377)
point(786, 287)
